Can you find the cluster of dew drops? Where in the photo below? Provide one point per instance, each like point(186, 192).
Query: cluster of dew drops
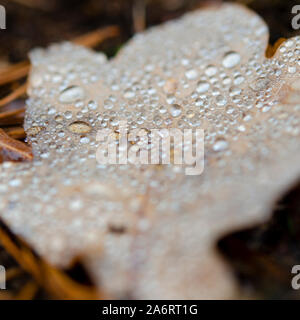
point(189, 80)
point(182, 90)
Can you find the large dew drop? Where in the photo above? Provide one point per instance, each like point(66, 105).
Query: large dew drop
point(175, 110)
point(33, 131)
point(220, 145)
point(79, 127)
point(191, 74)
point(211, 70)
point(202, 86)
point(260, 84)
point(71, 94)
point(231, 59)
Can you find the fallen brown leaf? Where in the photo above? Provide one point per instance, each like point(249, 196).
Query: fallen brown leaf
point(208, 70)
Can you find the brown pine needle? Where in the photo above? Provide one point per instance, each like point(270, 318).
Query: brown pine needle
point(14, 95)
point(16, 133)
point(14, 72)
point(4, 295)
point(28, 291)
point(271, 49)
point(13, 272)
point(12, 121)
point(139, 15)
point(21, 255)
point(11, 113)
point(95, 37)
point(12, 149)
point(53, 280)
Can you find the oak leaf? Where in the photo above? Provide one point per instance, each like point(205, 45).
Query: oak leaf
point(151, 231)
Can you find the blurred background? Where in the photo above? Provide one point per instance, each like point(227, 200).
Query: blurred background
point(261, 257)
point(32, 23)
